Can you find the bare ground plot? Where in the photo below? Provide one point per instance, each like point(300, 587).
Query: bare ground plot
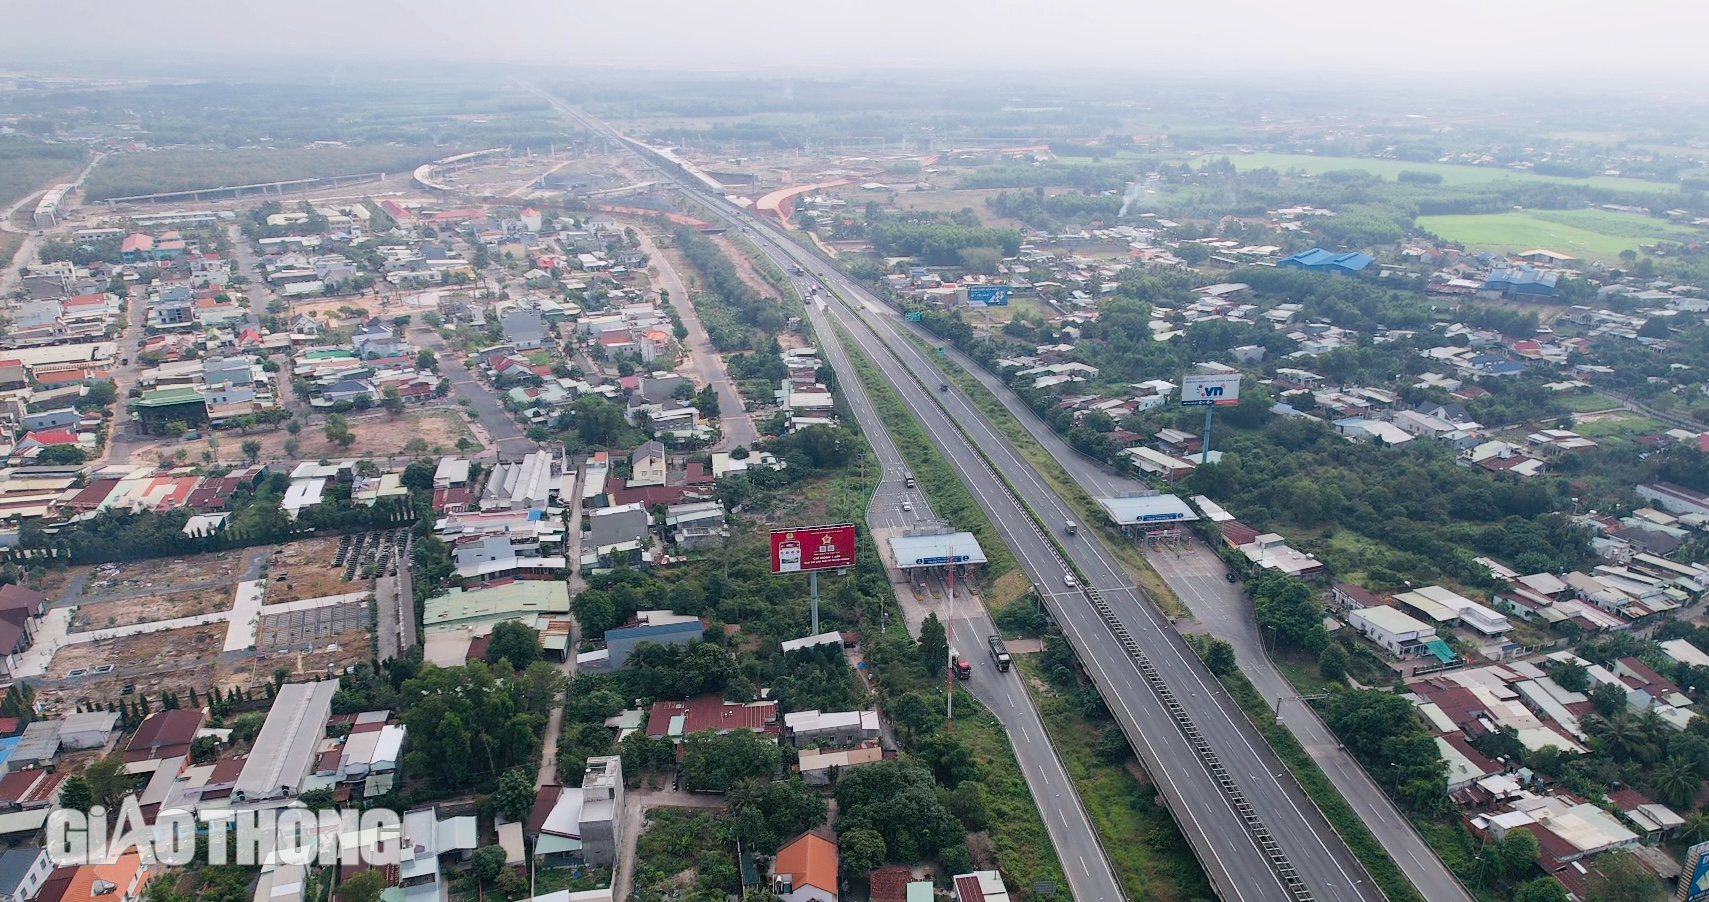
point(170, 647)
point(378, 434)
point(331, 655)
point(307, 571)
point(112, 579)
point(175, 676)
point(152, 608)
point(744, 266)
point(310, 628)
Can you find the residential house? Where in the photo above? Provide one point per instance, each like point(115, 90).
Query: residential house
point(647, 465)
point(805, 870)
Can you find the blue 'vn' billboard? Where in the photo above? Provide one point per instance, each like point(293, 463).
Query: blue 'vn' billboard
point(989, 295)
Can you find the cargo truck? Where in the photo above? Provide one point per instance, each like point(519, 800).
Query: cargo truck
point(962, 667)
point(999, 653)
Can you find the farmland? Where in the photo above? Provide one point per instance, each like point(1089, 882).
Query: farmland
point(1451, 174)
point(1588, 234)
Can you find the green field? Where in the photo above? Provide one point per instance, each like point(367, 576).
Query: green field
point(28, 166)
point(1451, 174)
point(1587, 234)
point(189, 168)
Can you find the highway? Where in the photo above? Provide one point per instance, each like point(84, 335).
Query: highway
point(1085, 866)
point(1198, 579)
point(1253, 828)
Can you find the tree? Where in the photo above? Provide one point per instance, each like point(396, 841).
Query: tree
point(1609, 699)
point(76, 795)
point(418, 475)
point(338, 430)
point(714, 762)
point(1675, 782)
point(392, 400)
point(1546, 889)
point(317, 799)
point(1284, 604)
point(426, 360)
point(934, 645)
point(251, 450)
point(1217, 654)
point(61, 455)
point(1654, 328)
point(204, 749)
point(1332, 664)
point(515, 795)
point(366, 886)
point(488, 863)
point(861, 850)
point(967, 803)
point(1518, 852)
point(513, 641)
point(107, 779)
point(247, 726)
point(1620, 877)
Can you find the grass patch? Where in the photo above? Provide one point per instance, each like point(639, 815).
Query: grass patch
point(27, 166)
point(1383, 870)
point(1151, 857)
point(1587, 234)
point(1017, 833)
point(679, 840)
point(950, 499)
point(1589, 403)
point(1060, 482)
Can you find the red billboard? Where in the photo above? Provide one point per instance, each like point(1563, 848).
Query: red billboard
point(807, 548)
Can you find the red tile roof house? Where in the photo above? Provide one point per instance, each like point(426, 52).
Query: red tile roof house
point(165, 734)
point(676, 719)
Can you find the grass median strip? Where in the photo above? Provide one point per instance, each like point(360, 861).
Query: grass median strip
point(950, 499)
point(1151, 857)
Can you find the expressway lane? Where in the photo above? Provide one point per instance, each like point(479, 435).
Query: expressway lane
point(1085, 865)
point(1253, 828)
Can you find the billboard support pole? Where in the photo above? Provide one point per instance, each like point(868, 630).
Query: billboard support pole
point(813, 589)
point(1205, 452)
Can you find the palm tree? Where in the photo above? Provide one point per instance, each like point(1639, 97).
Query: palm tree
point(1621, 737)
point(1674, 782)
point(1695, 829)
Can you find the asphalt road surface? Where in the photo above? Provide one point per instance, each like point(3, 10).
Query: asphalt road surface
point(734, 421)
point(498, 422)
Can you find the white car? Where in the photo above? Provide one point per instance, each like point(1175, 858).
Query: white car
point(908, 505)
point(1068, 580)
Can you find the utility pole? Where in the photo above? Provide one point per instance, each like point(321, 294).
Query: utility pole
point(949, 668)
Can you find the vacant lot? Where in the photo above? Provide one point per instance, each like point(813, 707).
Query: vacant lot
point(28, 165)
point(304, 570)
point(1586, 234)
point(188, 168)
point(152, 608)
point(944, 201)
point(170, 648)
point(113, 579)
point(378, 434)
point(1451, 174)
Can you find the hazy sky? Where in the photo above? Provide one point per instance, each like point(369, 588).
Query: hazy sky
point(1564, 39)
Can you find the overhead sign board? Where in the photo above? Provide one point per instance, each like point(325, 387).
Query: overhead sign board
point(808, 548)
point(1158, 518)
point(942, 559)
point(989, 295)
point(1694, 879)
point(1210, 391)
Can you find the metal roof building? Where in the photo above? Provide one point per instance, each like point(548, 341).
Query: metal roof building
point(284, 751)
point(912, 551)
point(1147, 510)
